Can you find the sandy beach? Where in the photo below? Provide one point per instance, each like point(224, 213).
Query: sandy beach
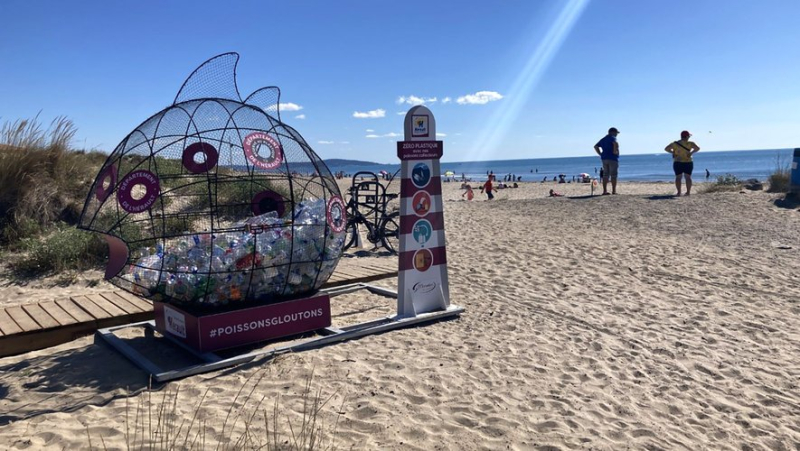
point(635, 321)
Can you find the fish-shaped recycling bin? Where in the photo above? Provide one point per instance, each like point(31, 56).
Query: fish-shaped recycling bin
point(214, 200)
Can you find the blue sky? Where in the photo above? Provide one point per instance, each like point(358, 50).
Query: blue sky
point(510, 79)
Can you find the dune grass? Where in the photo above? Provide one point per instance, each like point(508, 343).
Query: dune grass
point(43, 180)
point(44, 183)
point(156, 422)
point(780, 179)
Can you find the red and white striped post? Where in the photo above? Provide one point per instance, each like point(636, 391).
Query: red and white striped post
point(422, 272)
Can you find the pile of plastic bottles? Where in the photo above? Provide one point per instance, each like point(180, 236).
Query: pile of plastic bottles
point(265, 257)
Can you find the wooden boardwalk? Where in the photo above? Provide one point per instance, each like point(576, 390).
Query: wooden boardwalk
point(36, 326)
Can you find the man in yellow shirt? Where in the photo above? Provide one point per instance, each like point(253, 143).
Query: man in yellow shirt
point(682, 163)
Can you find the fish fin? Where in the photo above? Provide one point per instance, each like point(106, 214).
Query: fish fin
point(216, 78)
point(268, 99)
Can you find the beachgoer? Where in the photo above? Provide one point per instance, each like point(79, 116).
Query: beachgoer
point(470, 195)
point(555, 194)
point(682, 164)
point(488, 188)
point(708, 174)
point(608, 150)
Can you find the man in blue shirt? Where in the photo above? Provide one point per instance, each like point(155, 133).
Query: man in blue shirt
point(608, 149)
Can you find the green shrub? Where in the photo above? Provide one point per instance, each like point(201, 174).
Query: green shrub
point(727, 182)
point(66, 248)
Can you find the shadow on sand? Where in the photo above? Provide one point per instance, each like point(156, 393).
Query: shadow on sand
point(65, 381)
point(790, 202)
point(663, 197)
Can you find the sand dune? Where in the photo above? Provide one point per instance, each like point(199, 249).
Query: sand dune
point(636, 321)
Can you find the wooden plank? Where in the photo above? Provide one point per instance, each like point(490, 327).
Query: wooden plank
point(122, 303)
point(41, 317)
point(136, 300)
point(104, 304)
point(23, 320)
point(7, 325)
point(31, 341)
point(74, 310)
point(90, 307)
point(59, 314)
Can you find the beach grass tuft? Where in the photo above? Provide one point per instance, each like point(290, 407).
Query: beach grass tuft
point(157, 422)
point(780, 179)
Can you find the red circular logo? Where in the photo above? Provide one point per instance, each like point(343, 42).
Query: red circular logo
point(256, 146)
point(102, 192)
point(209, 153)
point(336, 214)
point(151, 187)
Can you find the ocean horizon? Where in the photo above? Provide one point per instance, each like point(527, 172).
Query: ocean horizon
point(743, 164)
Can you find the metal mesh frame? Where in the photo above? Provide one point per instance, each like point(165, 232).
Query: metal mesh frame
point(206, 226)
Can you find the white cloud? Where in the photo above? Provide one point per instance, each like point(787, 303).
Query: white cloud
point(369, 130)
point(386, 135)
point(374, 114)
point(324, 142)
point(441, 134)
point(402, 113)
point(447, 100)
point(479, 98)
point(300, 116)
point(414, 100)
point(290, 107)
point(345, 142)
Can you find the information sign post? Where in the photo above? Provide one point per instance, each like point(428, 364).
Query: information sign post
point(422, 273)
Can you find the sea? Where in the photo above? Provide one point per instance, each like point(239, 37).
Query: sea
point(743, 164)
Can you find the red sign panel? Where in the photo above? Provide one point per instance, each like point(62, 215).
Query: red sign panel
point(245, 326)
point(420, 150)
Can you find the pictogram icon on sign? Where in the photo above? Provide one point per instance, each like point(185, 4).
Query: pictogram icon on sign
point(421, 203)
point(423, 259)
point(421, 175)
point(422, 231)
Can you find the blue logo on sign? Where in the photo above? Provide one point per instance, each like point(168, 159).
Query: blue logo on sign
point(421, 175)
point(422, 231)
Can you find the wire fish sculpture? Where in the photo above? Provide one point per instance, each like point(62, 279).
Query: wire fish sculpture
point(214, 200)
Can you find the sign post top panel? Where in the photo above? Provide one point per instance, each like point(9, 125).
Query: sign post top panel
point(419, 125)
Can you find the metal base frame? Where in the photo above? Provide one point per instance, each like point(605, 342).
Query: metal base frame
point(212, 361)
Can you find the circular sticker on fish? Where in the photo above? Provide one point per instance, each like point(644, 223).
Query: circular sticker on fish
point(421, 203)
point(210, 157)
point(138, 191)
point(337, 218)
point(422, 231)
point(267, 201)
point(262, 150)
point(102, 191)
point(423, 260)
point(420, 175)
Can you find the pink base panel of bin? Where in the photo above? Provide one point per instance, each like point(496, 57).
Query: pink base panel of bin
point(241, 327)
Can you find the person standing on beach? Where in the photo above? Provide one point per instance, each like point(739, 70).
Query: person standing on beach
point(682, 163)
point(608, 149)
point(488, 187)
